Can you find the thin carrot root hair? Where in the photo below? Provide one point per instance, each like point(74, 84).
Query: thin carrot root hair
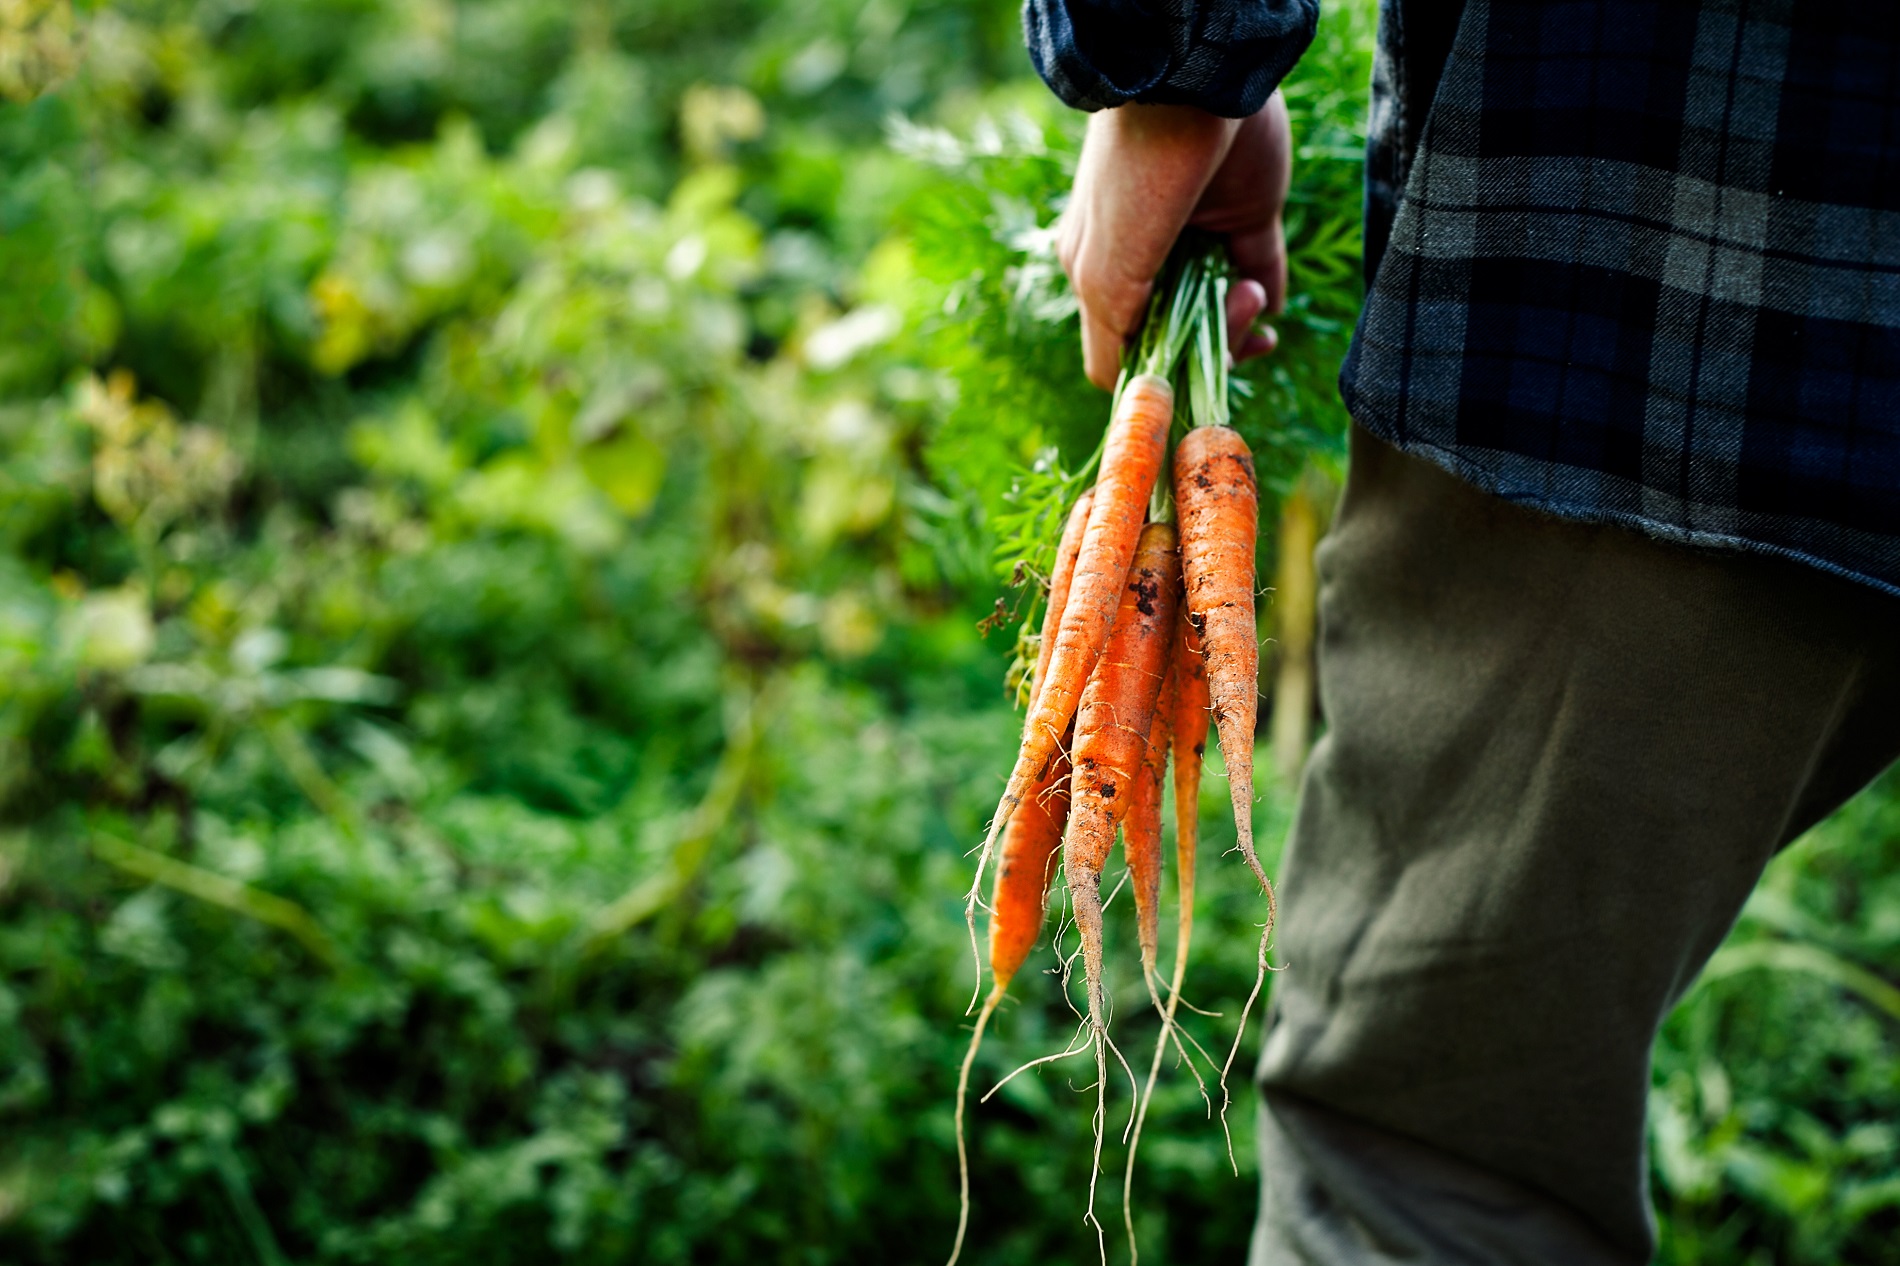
point(963, 1153)
point(976, 953)
point(1104, 1046)
point(1133, 1089)
point(1075, 1048)
point(1100, 1119)
point(1170, 1029)
point(1183, 1034)
point(1226, 1097)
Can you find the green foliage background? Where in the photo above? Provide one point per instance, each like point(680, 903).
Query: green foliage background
point(495, 502)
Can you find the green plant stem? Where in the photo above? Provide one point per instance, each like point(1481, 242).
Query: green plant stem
point(709, 817)
point(218, 890)
point(301, 763)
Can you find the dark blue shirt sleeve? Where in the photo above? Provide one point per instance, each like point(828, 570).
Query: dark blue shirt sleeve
point(1225, 56)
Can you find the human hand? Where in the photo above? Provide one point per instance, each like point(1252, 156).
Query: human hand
point(1147, 171)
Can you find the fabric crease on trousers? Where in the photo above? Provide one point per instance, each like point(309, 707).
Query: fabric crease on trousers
point(1557, 757)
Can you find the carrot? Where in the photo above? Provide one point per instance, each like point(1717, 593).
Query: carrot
point(1018, 903)
point(1024, 868)
point(1111, 733)
point(1030, 843)
point(1218, 505)
point(1185, 697)
point(1141, 843)
point(1030, 846)
point(1104, 685)
point(1141, 838)
point(1132, 453)
point(1061, 578)
point(1034, 836)
point(1188, 725)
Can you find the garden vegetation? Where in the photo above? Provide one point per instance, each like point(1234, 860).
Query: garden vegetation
point(503, 657)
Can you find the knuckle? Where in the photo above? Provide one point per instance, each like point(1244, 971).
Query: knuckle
point(1065, 251)
point(1092, 283)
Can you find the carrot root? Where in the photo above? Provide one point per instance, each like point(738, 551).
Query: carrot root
point(1111, 737)
point(1085, 901)
point(1100, 1120)
point(1039, 1061)
point(963, 1153)
point(1141, 839)
point(1217, 498)
point(1259, 979)
point(1026, 863)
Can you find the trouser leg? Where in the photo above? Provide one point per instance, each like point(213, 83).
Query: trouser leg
point(1557, 758)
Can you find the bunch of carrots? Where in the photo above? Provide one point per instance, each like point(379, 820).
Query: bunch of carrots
point(1148, 633)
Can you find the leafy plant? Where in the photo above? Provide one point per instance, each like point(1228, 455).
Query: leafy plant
point(495, 504)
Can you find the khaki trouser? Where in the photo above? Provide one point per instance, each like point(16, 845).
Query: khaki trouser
point(1557, 758)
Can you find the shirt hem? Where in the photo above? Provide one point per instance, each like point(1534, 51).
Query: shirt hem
point(1489, 481)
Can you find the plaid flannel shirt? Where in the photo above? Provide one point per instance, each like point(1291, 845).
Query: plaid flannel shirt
point(1631, 261)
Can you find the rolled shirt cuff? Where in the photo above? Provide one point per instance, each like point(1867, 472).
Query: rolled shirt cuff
point(1222, 56)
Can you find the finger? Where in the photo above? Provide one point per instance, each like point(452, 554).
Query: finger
point(1112, 302)
point(1102, 343)
point(1246, 300)
point(1259, 342)
point(1260, 255)
point(1109, 301)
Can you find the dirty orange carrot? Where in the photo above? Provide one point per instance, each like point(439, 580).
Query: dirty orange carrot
point(1217, 504)
point(1028, 859)
point(1043, 829)
point(1031, 841)
point(1060, 580)
point(1132, 454)
point(1186, 701)
point(1025, 865)
point(1027, 862)
point(1017, 905)
point(1188, 730)
point(1141, 840)
point(1111, 733)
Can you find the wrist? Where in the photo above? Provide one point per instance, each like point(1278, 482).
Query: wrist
point(1172, 124)
point(1174, 137)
